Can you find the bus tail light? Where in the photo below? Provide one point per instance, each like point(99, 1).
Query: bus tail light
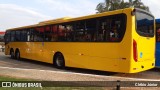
point(135, 51)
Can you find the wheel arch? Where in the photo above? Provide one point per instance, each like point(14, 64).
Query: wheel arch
point(11, 49)
point(54, 57)
point(17, 49)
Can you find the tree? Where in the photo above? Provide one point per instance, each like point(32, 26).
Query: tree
point(100, 7)
point(138, 4)
point(110, 5)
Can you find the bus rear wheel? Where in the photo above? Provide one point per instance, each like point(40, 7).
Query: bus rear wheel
point(17, 55)
point(59, 61)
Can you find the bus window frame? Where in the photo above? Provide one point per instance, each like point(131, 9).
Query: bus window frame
point(142, 33)
point(12, 36)
point(123, 18)
point(18, 37)
point(7, 35)
point(123, 28)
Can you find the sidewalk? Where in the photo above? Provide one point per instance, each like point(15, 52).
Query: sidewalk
point(48, 75)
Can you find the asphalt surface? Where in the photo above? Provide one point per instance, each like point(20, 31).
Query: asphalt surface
point(6, 61)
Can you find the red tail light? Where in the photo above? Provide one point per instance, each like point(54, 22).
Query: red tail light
point(135, 51)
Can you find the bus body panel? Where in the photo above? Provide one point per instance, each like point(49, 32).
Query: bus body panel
point(145, 50)
point(87, 57)
point(158, 54)
point(158, 43)
point(105, 56)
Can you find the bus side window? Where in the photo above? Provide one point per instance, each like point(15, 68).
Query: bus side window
point(69, 33)
point(61, 32)
point(114, 34)
point(91, 30)
point(104, 30)
point(38, 34)
point(23, 36)
point(79, 31)
point(31, 35)
point(8, 36)
point(12, 36)
point(111, 28)
point(120, 22)
point(54, 33)
point(28, 35)
point(47, 33)
point(18, 35)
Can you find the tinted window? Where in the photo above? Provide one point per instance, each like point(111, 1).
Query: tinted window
point(101, 29)
point(145, 24)
point(7, 37)
point(91, 30)
point(62, 32)
point(23, 35)
point(12, 36)
point(65, 32)
point(85, 31)
point(38, 34)
point(54, 34)
point(48, 33)
point(79, 30)
point(18, 36)
point(112, 28)
point(69, 34)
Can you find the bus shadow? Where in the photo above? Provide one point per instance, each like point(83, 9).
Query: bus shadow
point(88, 71)
point(156, 69)
point(45, 66)
point(31, 64)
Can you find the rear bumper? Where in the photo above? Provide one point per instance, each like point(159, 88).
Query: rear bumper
point(142, 66)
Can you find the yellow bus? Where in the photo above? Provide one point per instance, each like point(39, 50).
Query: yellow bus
point(116, 41)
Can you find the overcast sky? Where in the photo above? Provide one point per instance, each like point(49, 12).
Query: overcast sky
point(15, 13)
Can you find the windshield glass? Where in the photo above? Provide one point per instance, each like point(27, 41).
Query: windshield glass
point(145, 24)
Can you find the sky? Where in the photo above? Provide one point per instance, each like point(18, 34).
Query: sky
point(17, 13)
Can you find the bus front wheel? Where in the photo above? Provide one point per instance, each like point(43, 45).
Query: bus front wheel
point(59, 61)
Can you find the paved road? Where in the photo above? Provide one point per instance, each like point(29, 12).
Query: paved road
point(5, 61)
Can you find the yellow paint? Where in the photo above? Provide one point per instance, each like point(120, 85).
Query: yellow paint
point(114, 57)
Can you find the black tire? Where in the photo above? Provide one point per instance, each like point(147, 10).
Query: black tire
point(59, 61)
point(17, 55)
point(12, 53)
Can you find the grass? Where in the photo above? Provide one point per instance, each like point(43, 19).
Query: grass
point(5, 78)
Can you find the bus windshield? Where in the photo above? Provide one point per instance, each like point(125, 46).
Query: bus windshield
point(145, 24)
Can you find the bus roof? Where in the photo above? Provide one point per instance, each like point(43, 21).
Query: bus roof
point(55, 20)
point(68, 19)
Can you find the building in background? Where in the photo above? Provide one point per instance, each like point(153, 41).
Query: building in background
point(2, 46)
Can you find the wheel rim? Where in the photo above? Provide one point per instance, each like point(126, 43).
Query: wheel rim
point(59, 61)
point(12, 54)
point(18, 55)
